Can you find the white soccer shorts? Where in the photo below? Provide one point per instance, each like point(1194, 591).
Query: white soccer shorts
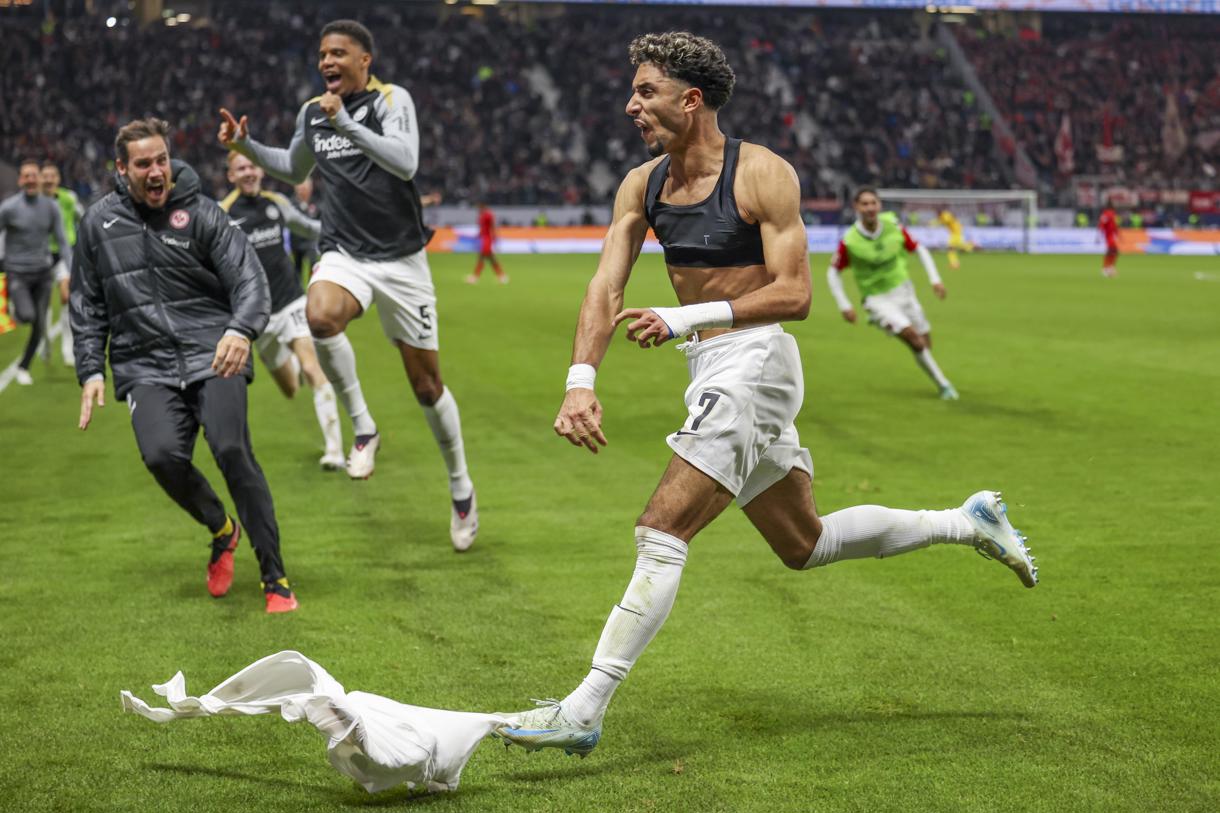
point(274, 346)
point(61, 271)
point(402, 290)
point(896, 310)
point(746, 389)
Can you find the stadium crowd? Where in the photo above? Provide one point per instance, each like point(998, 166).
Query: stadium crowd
point(515, 106)
point(1141, 95)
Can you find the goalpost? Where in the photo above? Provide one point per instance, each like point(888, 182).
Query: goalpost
point(1012, 208)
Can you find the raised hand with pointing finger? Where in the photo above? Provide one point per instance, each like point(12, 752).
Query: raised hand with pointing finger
point(231, 129)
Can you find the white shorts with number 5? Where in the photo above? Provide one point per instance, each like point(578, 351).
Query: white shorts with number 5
point(746, 389)
point(401, 289)
point(274, 345)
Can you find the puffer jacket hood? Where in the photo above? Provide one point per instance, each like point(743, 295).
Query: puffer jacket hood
point(158, 288)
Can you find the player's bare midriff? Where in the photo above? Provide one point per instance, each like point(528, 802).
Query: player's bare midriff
point(695, 285)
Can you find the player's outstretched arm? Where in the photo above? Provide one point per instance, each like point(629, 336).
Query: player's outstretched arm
point(292, 165)
point(834, 280)
point(929, 265)
point(580, 416)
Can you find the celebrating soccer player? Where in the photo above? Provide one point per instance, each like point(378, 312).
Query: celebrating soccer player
point(71, 211)
point(285, 346)
point(875, 248)
point(161, 277)
point(957, 240)
point(29, 222)
point(727, 214)
point(363, 137)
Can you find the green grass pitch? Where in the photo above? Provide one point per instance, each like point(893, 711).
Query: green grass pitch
point(931, 682)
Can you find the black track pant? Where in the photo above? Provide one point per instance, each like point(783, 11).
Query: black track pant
point(29, 295)
point(167, 420)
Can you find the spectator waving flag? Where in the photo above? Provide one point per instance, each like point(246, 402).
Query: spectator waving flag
point(1063, 146)
point(1173, 136)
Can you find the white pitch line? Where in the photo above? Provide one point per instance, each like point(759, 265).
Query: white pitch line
point(10, 372)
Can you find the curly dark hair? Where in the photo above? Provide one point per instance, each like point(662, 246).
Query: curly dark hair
point(695, 60)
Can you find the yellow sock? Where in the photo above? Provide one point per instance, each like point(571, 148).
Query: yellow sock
point(227, 530)
point(953, 262)
point(281, 582)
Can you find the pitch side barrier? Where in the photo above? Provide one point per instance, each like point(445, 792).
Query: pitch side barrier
point(824, 240)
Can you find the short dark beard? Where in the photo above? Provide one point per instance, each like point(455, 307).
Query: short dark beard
point(657, 149)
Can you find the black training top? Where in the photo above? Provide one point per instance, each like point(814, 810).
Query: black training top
point(710, 234)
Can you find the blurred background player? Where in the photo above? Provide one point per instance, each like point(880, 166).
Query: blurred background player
point(70, 211)
point(1108, 224)
point(285, 346)
point(957, 241)
point(363, 137)
point(487, 241)
point(29, 221)
point(875, 248)
point(304, 246)
point(185, 363)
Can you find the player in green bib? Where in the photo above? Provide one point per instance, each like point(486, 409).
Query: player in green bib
point(875, 248)
point(71, 211)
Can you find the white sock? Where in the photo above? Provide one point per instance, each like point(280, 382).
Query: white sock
point(865, 531)
point(446, 425)
point(924, 357)
point(338, 361)
point(633, 622)
point(65, 332)
point(327, 410)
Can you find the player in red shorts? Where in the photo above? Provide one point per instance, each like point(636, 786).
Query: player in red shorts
point(487, 236)
point(1108, 223)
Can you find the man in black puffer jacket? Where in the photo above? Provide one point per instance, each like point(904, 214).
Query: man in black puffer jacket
point(177, 290)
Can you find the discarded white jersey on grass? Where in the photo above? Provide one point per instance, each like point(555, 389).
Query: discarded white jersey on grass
point(376, 741)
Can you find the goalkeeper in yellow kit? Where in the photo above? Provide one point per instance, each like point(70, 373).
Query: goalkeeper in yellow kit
point(957, 242)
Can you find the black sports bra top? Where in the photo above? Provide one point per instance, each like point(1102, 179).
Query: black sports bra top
point(710, 234)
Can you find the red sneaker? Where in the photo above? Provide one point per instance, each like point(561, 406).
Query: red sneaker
point(220, 569)
point(277, 603)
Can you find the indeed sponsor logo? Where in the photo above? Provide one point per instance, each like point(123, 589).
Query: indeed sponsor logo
point(176, 242)
point(334, 146)
point(268, 235)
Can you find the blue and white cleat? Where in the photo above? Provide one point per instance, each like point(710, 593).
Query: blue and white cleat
point(549, 727)
point(995, 538)
point(947, 393)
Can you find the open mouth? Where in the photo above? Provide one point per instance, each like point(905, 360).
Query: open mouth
point(333, 79)
point(154, 190)
point(645, 130)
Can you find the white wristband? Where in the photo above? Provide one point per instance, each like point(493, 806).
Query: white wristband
point(581, 376)
point(689, 318)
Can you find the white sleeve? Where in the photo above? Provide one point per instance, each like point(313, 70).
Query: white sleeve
point(835, 280)
point(397, 149)
point(929, 265)
point(291, 165)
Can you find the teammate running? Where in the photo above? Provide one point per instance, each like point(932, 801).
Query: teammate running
point(728, 216)
point(957, 240)
point(487, 240)
point(363, 137)
point(28, 222)
point(1108, 224)
point(875, 248)
point(70, 211)
point(285, 346)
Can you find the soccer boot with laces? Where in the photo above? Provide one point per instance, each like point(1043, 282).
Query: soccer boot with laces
point(549, 726)
point(995, 538)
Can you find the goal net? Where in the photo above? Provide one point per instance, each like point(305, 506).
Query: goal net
point(1009, 215)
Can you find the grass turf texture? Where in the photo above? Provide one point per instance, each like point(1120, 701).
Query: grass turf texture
point(933, 682)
